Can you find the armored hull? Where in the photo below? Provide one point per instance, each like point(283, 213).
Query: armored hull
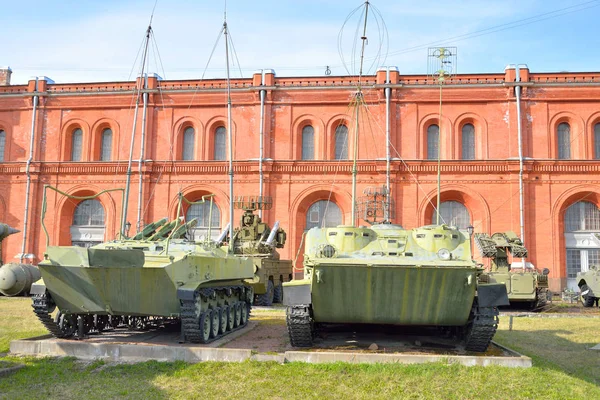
point(589, 286)
point(389, 275)
point(198, 283)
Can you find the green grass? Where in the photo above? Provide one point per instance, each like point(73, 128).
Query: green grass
point(557, 345)
point(17, 321)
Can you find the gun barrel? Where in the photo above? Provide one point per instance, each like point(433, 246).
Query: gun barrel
point(271, 237)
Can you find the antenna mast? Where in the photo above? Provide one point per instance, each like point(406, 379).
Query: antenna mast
point(135, 115)
point(442, 61)
point(229, 134)
point(358, 102)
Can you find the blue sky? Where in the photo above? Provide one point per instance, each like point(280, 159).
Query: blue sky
point(81, 41)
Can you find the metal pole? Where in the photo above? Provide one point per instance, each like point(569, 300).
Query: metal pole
point(141, 160)
point(520, 134)
point(388, 92)
point(230, 136)
point(261, 152)
point(27, 171)
point(135, 114)
point(439, 150)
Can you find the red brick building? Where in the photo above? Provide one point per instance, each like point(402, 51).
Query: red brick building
point(80, 138)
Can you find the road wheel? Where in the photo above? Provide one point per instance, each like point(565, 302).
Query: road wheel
point(586, 299)
point(266, 299)
point(278, 293)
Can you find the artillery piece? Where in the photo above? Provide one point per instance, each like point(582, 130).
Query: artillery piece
point(155, 276)
point(15, 278)
point(523, 285)
point(255, 239)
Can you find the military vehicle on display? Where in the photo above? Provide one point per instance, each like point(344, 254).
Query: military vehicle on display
point(385, 274)
point(254, 239)
point(523, 285)
point(156, 276)
point(15, 278)
point(589, 286)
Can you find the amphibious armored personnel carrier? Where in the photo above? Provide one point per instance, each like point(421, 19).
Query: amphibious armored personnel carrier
point(389, 275)
point(255, 239)
point(158, 274)
point(523, 285)
point(589, 286)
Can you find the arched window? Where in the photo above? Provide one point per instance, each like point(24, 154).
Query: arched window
point(582, 227)
point(564, 141)
point(323, 214)
point(188, 144)
point(76, 145)
point(433, 137)
point(308, 143)
point(202, 212)
point(106, 143)
point(468, 142)
point(341, 142)
point(88, 224)
point(453, 213)
point(597, 141)
point(220, 143)
point(2, 144)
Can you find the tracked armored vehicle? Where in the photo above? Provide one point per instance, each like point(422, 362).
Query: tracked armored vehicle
point(155, 276)
point(589, 286)
point(389, 275)
point(523, 285)
point(256, 240)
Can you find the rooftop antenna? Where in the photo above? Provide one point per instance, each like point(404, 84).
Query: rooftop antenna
point(441, 67)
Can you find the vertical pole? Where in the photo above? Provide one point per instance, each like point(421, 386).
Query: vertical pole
point(230, 136)
point(388, 91)
point(27, 171)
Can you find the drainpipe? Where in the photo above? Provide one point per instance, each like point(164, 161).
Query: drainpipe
point(519, 131)
point(388, 93)
point(28, 172)
point(141, 160)
point(261, 129)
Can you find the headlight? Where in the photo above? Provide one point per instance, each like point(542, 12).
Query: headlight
point(444, 254)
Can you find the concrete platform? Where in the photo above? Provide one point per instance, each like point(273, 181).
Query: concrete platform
point(162, 345)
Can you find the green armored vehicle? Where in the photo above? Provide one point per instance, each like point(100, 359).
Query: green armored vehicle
point(156, 275)
point(389, 275)
point(589, 286)
point(523, 285)
point(254, 239)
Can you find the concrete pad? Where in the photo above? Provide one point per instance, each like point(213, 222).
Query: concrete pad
point(318, 357)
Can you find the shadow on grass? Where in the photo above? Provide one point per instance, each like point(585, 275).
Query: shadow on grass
point(550, 350)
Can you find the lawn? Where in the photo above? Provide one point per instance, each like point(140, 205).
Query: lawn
point(563, 368)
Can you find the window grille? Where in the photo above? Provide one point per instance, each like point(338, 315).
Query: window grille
point(341, 142)
point(89, 213)
point(201, 211)
point(220, 143)
point(76, 145)
point(433, 137)
point(323, 214)
point(582, 216)
point(2, 144)
point(573, 262)
point(106, 150)
point(564, 141)
point(188, 144)
point(468, 142)
point(308, 143)
point(453, 213)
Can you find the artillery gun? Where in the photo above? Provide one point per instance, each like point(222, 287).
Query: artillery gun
point(523, 285)
point(15, 278)
point(155, 276)
point(385, 274)
point(256, 240)
point(589, 286)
